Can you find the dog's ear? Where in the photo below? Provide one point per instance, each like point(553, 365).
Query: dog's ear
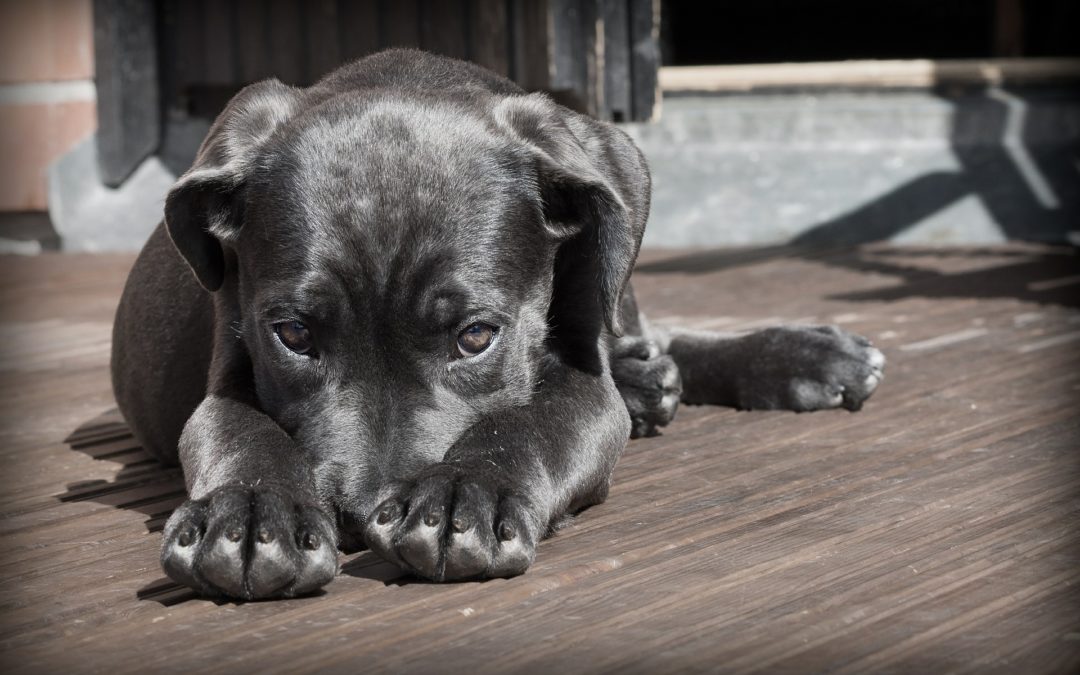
point(594, 185)
point(204, 209)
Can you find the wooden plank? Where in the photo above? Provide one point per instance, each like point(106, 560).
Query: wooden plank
point(870, 74)
point(443, 27)
point(219, 44)
point(253, 40)
point(399, 23)
point(175, 65)
point(531, 43)
point(489, 34)
point(321, 27)
point(359, 28)
point(572, 54)
point(128, 109)
point(288, 56)
point(617, 72)
point(645, 58)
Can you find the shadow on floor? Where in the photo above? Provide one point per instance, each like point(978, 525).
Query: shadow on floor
point(141, 484)
point(367, 565)
point(1044, 276)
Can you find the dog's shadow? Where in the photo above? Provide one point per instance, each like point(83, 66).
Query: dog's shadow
point(141, 484)
point(368, 565)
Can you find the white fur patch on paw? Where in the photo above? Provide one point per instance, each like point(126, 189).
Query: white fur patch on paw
point(876, 359)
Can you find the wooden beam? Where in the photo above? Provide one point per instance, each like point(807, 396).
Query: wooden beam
point(571, 54)
point(869, 74)
point(616, 66)
point(443, 27)
point(489, 31)
point(129, 113)
point(645, 58)
point(530, 39)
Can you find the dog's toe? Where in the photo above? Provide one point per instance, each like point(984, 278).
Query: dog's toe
point(471, 539)
point(875, 357)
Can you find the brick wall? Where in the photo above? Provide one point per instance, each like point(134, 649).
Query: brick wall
point(47, 101)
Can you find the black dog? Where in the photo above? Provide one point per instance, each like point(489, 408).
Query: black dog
point(401, 330)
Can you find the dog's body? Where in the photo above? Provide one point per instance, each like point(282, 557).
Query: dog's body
point(401, 330)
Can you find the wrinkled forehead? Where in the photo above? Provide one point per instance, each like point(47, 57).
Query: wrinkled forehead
point(398, 194)
point(389, 156)
point(388, 167)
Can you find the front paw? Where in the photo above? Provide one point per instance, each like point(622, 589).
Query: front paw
point(250, 543)
point(454, 523)
point(806, 368)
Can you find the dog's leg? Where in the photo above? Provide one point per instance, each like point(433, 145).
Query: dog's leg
point(253, 527)
point(480, 512)
point(799, 368)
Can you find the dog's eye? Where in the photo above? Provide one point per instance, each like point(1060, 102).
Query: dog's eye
point(295, 336)
point(475, 339)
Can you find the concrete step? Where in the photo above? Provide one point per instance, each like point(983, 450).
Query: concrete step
point(843, 167)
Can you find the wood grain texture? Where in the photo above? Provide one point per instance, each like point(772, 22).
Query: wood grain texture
point(934, 531)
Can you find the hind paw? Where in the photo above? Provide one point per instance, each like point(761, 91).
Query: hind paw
point(649, 383)
point(808, 368)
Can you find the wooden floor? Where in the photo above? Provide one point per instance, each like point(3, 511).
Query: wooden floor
point(935, 531)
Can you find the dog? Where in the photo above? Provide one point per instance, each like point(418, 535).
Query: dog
point(393, 310)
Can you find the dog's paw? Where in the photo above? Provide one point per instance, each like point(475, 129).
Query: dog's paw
point(649, 383)
point(807, 368)
point(451, 524)
point(249, 543)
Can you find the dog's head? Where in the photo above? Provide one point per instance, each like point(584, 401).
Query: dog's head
point(397, 265)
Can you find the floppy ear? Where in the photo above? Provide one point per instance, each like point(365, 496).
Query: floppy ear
point(595, 187)
point(204, 209)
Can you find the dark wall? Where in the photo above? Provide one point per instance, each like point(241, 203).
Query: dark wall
point(599, 57)
point(210, 48)
point(771, 31)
